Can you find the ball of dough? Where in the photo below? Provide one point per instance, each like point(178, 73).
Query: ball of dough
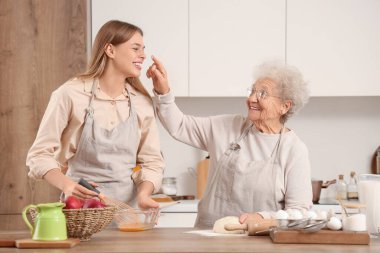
point(219, 225)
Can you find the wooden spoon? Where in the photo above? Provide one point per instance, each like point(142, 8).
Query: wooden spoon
point(353, 205)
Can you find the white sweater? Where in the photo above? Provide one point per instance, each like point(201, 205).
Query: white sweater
point(214, 134)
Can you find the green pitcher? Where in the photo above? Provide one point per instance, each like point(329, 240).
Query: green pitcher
point(50, 222)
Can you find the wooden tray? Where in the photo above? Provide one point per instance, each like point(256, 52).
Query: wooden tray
point(320, 237)
point(32, 244)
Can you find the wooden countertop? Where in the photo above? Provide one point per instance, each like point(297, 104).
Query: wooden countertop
point(175, 240)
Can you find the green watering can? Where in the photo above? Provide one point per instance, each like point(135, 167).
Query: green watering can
point(50, 222)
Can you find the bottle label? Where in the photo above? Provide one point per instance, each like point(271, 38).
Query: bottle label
point(352, 195)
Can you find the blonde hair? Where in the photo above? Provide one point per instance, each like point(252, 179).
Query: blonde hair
point(113, 32)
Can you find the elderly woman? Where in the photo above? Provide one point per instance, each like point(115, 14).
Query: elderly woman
point(257, 164)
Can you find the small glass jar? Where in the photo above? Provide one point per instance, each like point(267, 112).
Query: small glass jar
point(341, 188)
point(169, 186)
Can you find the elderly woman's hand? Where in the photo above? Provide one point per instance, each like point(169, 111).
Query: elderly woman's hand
point(250, 217)
point(159, 76)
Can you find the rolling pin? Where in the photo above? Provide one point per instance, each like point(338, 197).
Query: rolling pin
point(253, 228)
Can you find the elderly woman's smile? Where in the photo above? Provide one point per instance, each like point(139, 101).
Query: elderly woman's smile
point(255, 107)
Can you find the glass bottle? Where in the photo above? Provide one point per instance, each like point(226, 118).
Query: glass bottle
point(341, 188)
point(352, 188)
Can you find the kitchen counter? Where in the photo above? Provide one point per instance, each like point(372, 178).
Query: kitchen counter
point(184, 214)
point(191, 206)
point(176, 240)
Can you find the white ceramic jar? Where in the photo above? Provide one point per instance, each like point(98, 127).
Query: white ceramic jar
point(169, 186)
point(354, 222)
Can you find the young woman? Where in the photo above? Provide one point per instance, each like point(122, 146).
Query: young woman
point(101, 125)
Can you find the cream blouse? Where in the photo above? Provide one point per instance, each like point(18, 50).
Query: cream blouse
point(62, 124)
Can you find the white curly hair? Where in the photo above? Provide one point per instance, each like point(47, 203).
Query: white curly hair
point(289, 82)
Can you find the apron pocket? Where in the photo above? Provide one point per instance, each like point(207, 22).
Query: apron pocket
point(244, 187)
point(224, 185)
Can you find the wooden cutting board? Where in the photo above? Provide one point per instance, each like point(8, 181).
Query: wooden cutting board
point(162, 198)
point(7, 242)
point(9, 239)
point(320, 237)
point(32, 244)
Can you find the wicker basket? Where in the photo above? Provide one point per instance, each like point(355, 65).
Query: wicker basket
point(83, 223)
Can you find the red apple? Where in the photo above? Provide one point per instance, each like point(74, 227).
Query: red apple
point(93, 203)
point(73, 202)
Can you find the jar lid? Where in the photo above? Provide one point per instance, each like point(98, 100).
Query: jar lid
point(169, 180)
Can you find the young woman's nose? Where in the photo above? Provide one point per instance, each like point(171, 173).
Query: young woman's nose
point(142, 55)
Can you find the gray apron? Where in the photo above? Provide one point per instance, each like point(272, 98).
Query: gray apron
point(107, 157)
point(239, 186)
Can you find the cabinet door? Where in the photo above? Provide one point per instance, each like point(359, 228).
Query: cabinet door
point(176, 220)
point(228, 39)
point(165, 27)
point(335, 43)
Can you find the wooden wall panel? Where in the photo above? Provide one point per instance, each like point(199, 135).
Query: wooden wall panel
point(42, 44)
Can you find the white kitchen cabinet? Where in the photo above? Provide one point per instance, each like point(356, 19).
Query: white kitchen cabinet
point(187, 219)
point(228, 39)
point(180, 215)
point(335, 43)
point(165, 27)
point(210, 47)
point(176, 220)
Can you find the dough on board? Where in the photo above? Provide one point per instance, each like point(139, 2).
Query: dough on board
point(219, 225)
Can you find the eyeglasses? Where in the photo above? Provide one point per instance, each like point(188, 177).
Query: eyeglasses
point(260, 94)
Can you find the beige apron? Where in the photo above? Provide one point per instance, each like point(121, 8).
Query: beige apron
point(107, 157)
point(239, 186)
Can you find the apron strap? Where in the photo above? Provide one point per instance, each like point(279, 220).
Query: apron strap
point(131, 108)
point(274, 156)
point(90, 109)
point(245, 132)
point(276, 147)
